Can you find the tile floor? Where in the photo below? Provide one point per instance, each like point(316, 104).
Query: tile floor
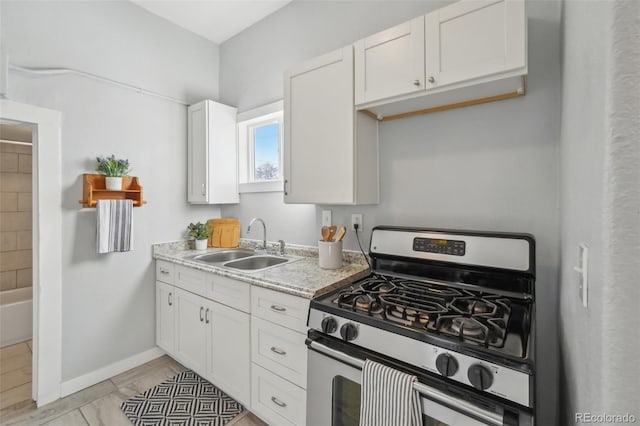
point(15, 375)
point(96, 405)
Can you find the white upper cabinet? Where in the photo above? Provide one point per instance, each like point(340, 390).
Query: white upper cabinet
point(212, 154)
point(471, 51)
point(330, 151)
point(390, 63)
point(474, 39)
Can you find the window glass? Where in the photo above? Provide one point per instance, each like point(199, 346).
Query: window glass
point(266, 152)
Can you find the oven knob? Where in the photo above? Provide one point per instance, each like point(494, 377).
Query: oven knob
point(480, 377)
point(446, 365)
point(349, 331)
point(329, 325)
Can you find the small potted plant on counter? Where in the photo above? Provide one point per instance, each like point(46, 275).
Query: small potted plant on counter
point(200, 232)
point(113, 169)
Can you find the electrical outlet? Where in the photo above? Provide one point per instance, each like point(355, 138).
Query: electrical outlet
point(356, 218)
point(326, 217)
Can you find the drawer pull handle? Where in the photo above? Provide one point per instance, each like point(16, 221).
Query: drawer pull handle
point(278, 402)
point(201, 314)
point(206, 316)
point(164, 271)
point(278, 308)
point(170, 299)
point(278, 351)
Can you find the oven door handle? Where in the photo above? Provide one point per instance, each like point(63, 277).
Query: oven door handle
point(488, 417)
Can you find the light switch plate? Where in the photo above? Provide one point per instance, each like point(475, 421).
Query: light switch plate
point(326, 217)
point(583, 273)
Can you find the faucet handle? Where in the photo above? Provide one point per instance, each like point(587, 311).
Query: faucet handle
point(281, 247)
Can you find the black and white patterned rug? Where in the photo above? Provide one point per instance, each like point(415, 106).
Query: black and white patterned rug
point(186, 399)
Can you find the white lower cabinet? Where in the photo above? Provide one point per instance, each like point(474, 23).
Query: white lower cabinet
point(279, 349)
point(191, 331)
point(275, 400)
point(165, 318)
point(229, 351)
point(278, 356)
point(210, 338)
point(246, 340)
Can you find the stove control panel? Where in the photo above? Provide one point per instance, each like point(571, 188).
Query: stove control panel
point(483, 375)
point(441, 246)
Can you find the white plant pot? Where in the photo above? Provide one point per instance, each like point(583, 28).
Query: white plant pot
point(113, 183)
point(201, 244)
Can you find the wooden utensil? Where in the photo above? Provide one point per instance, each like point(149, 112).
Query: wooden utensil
point(341, 233)
point(324, 231)
point(332, 232)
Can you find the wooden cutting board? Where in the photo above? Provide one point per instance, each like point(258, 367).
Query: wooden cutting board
point(225, 232)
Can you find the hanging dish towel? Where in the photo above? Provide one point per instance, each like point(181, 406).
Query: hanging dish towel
point(115, 225)
point(388, 397)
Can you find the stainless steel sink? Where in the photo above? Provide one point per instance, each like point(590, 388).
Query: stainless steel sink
point(257, 262)
point(243, 259)
point(224, 256)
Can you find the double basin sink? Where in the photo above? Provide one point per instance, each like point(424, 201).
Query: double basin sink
point(244, 259)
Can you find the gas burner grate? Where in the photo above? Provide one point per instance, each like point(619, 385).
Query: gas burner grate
point(489, 332)
point(408, 311)
point(358, 300)
point(375, 285)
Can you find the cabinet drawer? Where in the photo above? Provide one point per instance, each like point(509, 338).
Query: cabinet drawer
point(230, 292)
point(280, 308)
point(191, 280)
point(280, 350)
point(275, 400)
point(165, 271)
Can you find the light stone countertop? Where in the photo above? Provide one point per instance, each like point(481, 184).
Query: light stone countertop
point(303, 278)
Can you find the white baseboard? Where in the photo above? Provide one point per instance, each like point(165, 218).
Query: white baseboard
point(90, 379)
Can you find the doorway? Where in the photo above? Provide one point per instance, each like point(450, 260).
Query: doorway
point(16, 273)
point(46, 220)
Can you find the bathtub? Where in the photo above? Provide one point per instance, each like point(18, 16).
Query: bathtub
point(16, 317)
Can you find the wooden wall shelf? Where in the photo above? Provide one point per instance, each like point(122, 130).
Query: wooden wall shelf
point(94, 189)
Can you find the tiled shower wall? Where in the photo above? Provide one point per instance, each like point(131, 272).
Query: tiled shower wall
point(15, 216)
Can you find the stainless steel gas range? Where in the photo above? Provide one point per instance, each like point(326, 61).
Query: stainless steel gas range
point(454, 308)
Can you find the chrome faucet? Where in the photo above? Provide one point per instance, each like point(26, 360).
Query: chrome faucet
point(264, 236)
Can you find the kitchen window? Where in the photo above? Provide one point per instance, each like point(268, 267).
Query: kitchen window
point(260, 148)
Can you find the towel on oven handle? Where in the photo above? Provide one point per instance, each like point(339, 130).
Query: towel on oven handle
point(388, 397)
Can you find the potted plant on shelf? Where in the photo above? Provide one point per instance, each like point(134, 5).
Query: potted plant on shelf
point(201, 232)
point(113, 169)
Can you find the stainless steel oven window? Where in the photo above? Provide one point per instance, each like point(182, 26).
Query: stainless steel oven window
point(345, 402)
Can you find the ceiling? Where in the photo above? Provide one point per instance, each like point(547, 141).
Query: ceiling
point(215, 20)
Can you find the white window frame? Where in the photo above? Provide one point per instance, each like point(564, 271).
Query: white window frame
point(247, 122)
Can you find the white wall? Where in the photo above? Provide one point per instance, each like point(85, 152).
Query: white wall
point(108, 300)
point(600, 204)
point(506, 154)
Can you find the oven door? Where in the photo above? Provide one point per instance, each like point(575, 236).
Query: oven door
point(333, 396)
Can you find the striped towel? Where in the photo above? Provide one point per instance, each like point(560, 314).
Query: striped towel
point(388, 397)
point(115, 225)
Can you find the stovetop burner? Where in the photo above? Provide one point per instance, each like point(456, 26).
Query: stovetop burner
point(470, 317)
point(467, 327)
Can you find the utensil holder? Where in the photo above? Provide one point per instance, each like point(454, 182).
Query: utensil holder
point(330, 254)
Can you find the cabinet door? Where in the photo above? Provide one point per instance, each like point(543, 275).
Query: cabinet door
point(390, 63)
point(229, 351)
point(319, 130)
point(197, 150)
point(474, 39)
point(165, 298)
point(191, 330)
point(212, 154)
